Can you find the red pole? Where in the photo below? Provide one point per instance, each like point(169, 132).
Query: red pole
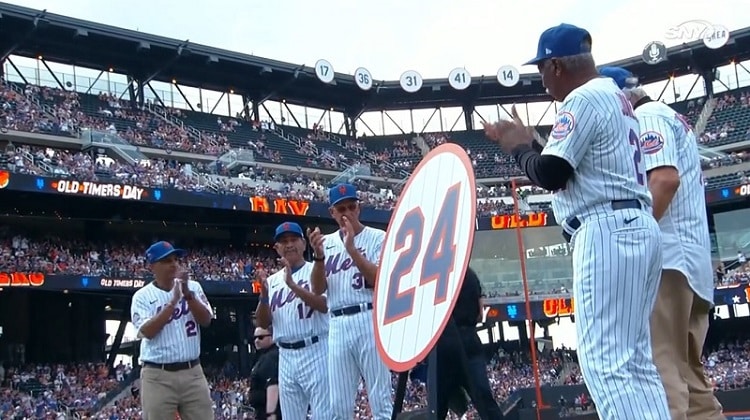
point(532, 338)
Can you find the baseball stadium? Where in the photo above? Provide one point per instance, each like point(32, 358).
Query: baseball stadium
point(112, 139)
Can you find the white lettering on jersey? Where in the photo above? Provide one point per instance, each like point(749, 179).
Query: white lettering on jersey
point(292, 319)
point(667, 140)
point(346, 284)
point(597, 133)
point(180, 339)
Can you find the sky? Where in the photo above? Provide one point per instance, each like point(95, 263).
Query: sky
point(389, 37)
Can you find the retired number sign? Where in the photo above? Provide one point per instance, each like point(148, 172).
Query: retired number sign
point(425, 256)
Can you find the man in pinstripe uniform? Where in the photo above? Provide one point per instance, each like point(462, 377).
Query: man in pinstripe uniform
point(679, 323)
point(346, 268)
point(168, 314)
point(593, 161)
point(300, 328)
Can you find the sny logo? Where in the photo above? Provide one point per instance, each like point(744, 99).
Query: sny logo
point(714, 36)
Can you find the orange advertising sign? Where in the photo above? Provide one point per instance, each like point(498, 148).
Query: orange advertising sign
point(21, 279)
point(511, 221)
point(279, 206)
point(558, 307)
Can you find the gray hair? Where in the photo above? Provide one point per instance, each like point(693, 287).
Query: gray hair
point(578, 62)
point(635, 94)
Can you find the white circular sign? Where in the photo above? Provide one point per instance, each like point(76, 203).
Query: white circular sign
point(508, 76)
point(459, 78)
point(411, 81)
point(425, 256)
point(363, 78)
point(324, 71)
point(716, 37)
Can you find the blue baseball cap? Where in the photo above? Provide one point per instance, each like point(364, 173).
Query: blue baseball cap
point(563, 40)
point(161, 250)
point(342, 192)
point(623, 77)
point(288, 227)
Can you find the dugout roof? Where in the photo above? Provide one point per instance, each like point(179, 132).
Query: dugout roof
point(33, 33)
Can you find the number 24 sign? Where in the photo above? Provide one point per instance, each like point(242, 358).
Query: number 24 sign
point(425, 256)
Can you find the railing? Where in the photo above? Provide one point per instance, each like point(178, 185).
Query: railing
point(366, 155)
point(205, 181)
point(705, 115)
point(166, 116)
point(297, 141)
point(114, 142)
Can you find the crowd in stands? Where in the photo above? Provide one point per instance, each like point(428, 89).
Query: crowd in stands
point(57, 255)
point(172, 174)
point(52, 110)
point(53, 391)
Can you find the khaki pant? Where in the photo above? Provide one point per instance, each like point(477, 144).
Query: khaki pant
point(163, 394)
point(679, 324)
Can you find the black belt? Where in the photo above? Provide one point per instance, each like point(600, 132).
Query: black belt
point(351, 310)
point(173, 367)
point(299, 344)
point(572, 224)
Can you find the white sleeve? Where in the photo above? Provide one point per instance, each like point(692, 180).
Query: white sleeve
point(658, 142)
point(574, 128)
point(140, 312)
point(198, 290)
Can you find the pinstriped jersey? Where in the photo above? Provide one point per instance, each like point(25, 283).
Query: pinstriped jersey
point(346, 285)
point(597, 133)
point(180, 339)
point(668, 140)
point(292, 319)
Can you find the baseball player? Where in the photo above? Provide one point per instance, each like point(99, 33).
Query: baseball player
point(594, 162)
point(168, 314)
point(300, 328)
point(345, 266)
point(679, 322)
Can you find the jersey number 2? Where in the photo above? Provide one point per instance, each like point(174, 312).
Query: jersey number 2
point(438, 257)
point(191, 329)
point(637, 158)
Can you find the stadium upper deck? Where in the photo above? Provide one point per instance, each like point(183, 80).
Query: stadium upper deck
point(145, 59)
point(71, 106)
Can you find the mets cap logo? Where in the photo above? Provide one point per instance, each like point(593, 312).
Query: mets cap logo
point(651, 142)
point(286, 226)
point(342, 189)
point(564, 125)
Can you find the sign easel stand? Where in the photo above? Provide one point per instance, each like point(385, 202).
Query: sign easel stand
point(432, 381)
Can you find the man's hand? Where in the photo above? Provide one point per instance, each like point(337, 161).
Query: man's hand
point(176, 292)
point(182, 276)
point(348, 232)
point(316, 241)
point(262, 276)
point(287, 271)
point(509, 134)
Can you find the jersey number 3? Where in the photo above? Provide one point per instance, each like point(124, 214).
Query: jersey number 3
point(437, 261)
point(637, 157)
